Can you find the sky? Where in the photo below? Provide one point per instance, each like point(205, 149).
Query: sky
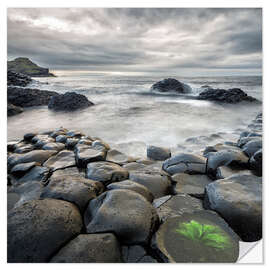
point(152, 41)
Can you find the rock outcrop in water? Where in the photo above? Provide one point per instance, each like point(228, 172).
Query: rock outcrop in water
point(17, 79)
point(234, 95)
point(26, 66)
point(27, 97)
point(69, 101)
point(51, 193)
point(170, 85)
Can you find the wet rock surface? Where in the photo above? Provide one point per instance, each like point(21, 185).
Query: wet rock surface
point(106, 172)
point(17, 79)
point(185, 163)
point(114, 193)
point(190, 184)
point(131, 185)
point(28, 97)
point(90, 248)
point(37, 229)
point(203, 232)
point(124, 212)
point(158, 153)
point(170, 85)
point(70, 101)
point(238, 199)
point(170, 206)
point(158, 185)
point(234, 95)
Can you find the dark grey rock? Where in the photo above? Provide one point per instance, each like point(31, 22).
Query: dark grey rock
point(106, 172)
point(20, 169)
point(238, 199)
point(70, 101)
point(171, 85)
point(28, 191)
point(125, 213)
point(131, 185)
point(252, 147)
point(24, 149)
point(53, 146)
point(37, 173)
point(256, 162)
point(191, 238)
point(158, 153)
point(71, 143)
point(61, 139)
point(74, 189)
point(28, 97)
point(185, 163)
point(63, 159)
point(227, 171)
point(39, 156)
point(228, 157)
point(158, 185)
point(37, 229)
point(234, 95)
point(177, 205)
point(118, 157)
point(190, 184)
point(17, 79)
point(85, 154)
point(13, 110)
point(136, 254)
point(90, 248)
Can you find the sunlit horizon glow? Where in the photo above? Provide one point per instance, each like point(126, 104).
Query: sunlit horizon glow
point(176, 41)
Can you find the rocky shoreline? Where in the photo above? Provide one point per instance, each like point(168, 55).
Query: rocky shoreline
point(72, 198)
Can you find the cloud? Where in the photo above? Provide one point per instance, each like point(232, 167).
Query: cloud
point(147, 40)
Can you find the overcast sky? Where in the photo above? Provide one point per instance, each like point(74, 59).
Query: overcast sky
point(178, 41)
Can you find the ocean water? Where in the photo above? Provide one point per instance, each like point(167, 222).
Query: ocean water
point(128, 116)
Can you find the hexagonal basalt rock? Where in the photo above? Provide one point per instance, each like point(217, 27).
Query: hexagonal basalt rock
point(190, 184)
point(37, 229)
point(90, 248)
point(63, 159)
point(158, 153)
point(125, 213)
point(177, 205)
point(238, 199)
point(118, 157)
point(85, 154)
point(106, 172)
point(74, 189)
point(195, 238)
point(226, 158)
point(39, 156)
point(159, 185)
point(131, 185)
point(185, 163)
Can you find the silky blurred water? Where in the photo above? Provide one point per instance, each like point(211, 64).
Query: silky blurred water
point(126, 113)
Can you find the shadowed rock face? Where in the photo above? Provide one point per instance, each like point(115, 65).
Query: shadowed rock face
point(25, 97)
point(238, 199)
point(90, 248)
point(37, 229)
point(17, 79)
point(13, 110)
point(233, 95)
point(69, 101)
point(170, 85)
point(27, 67)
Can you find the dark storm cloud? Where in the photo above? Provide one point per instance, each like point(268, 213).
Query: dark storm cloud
point(168, 40)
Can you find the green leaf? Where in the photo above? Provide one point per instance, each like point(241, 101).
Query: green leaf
point(207, 234)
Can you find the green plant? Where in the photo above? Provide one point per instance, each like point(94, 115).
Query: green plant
point(209, 235)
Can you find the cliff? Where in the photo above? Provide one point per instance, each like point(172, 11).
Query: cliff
point(27, 67)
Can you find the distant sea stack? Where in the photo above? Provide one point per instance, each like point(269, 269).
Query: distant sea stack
point(26, 66)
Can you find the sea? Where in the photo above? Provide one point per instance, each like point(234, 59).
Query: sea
point(129, 116)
